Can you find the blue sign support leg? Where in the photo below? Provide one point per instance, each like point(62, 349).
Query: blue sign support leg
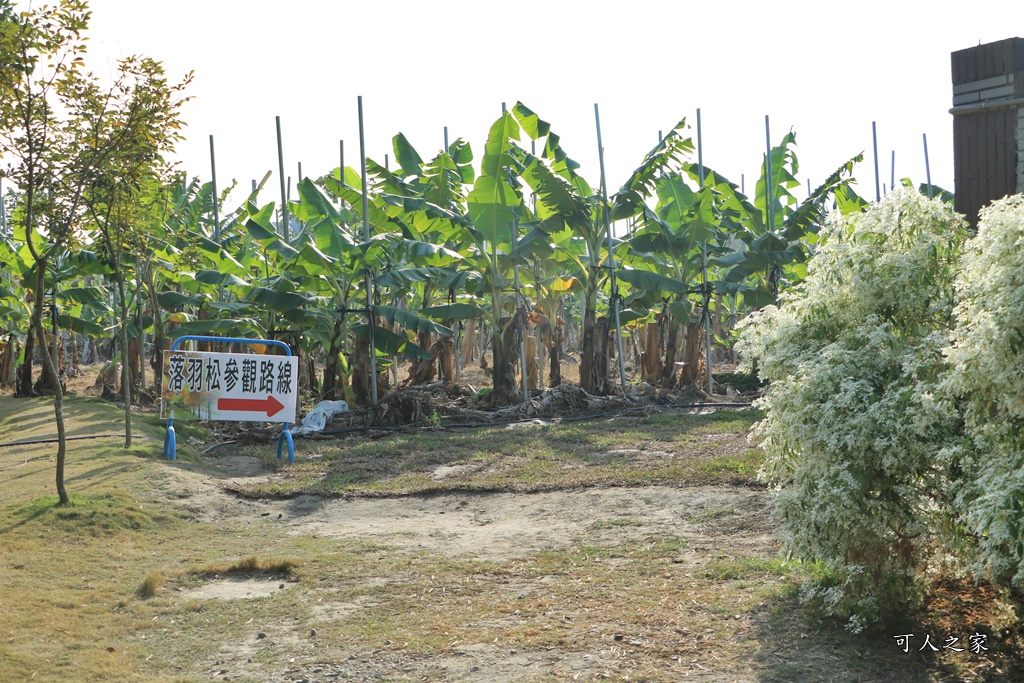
point(170, 443)
point(286, 435)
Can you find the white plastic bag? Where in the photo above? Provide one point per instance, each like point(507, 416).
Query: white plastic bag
point(318, 418)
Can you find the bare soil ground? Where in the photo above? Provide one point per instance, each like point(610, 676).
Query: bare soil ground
point(709, 523)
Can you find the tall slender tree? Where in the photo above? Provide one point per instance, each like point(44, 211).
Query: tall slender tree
point(62, 133)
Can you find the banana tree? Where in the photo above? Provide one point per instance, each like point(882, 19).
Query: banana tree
point(570, 214)
point(666, 252)
point(495, 206)
point(774, 239)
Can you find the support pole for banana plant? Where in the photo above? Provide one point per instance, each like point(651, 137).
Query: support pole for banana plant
point(708, 380)
point(927, 167)
point(874, 143)
point(769, 180)
point(284, 192)
point(3, 209)
point(457, 342)
point(216, 211)
point(769, 209)
point(369, 271)
point(892, 172)
point(611, 253)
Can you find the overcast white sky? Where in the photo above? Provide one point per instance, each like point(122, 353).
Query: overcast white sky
point(825, 69)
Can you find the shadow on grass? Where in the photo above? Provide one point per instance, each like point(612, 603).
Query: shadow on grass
point(797, 644)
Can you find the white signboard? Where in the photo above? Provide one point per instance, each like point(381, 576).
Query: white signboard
point(229, 386)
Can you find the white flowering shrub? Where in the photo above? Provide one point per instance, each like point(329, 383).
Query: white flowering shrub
point(986, 380)
point(852, 429)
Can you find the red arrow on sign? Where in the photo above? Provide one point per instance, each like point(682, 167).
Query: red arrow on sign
point(257, 405)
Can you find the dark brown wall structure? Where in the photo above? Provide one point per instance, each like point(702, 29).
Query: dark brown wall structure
point(988, 124)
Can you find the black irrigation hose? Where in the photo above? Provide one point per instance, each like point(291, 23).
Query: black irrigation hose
point(73, 438)
point(477, 425)
point(577, 418)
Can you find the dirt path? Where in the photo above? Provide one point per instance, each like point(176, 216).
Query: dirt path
point(488, 526)
point(715, 522)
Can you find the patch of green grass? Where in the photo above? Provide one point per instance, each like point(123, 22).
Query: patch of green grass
point(748, 568)
point(94, 514)
point(743, 382)
point(743, 466)
point(709, 515)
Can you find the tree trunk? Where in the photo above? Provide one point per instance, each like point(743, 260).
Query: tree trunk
point(555, 354)
point(590, 377)
point(332, 369)
point(444, 353)
point(58, 395)
point(503, 354)
point(668, 370)
point(468, 342)
point(126, 358)
point(8, 360)
point(653, 366)
point(533, 378)
point(691, 355)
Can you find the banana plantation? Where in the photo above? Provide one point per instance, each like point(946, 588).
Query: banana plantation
point(510, 260)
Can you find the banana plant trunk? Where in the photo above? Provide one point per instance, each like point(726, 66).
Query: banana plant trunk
point(332, 370)
point(503, 350)
point(591, 375)
point(555, 354)
point(691, 355)
point(671, 347)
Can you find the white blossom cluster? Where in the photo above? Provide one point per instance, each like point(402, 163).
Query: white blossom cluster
point(853, 430)
point(986, 385)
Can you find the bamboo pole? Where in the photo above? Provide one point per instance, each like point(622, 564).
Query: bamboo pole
point(457, 342)
point(927, 167)
point(284, 193)
point(892, 172)
point(369, 272)
point(216, 211)
point(341, 161)
point(3, 209)
point(769, 209)
point(611, 252)
point(708, 380)
point(874, 143)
